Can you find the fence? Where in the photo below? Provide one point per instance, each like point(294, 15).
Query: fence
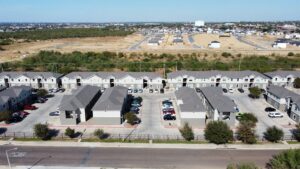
point(121, 137)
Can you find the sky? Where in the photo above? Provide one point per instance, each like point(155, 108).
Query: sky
point(148, 10)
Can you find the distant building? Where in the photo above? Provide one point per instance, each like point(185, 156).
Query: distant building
point(283, 78)
point(199, 23)
point(281, 44)
point(215, 44)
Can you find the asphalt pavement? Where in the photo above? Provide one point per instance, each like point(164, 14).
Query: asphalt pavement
point(132, 157)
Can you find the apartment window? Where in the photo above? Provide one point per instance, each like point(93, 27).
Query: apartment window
point(238, 79)
point(69, 114)
point(246, 80)
point(294, 117)
point(33, 79)
point(19, 80)
point(212, 80)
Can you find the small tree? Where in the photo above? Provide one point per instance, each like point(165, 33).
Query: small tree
point(242, 166)
point(273, 134)
point(41, 130)
point(249, 118)
point(297, 83)
point(218, 132)
point(131, 118)
point(291, 54)
point(289, 159)
point(5, 116)
point(246, 133)
point(99, 133)
point(296, 132)
point(42, 92)
point(70, 132)
point(255, 92)
point(187, 132)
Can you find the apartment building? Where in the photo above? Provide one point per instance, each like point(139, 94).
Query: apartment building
point(104, 80)
point(191, 107)
point(46, 80)
point(77, 107)
point(223, 79)
point(218, 106)
point(14, 98)
point(111, 106)
point(284, 100)
point(283, 78)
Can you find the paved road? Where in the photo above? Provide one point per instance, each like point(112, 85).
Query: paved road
point(138, 44)
point(133, 158)
point(243, 40)
point(41, 115)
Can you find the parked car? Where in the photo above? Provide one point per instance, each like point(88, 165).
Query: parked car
point(136, 105)
point(135, 91)
point(167, 102)
point(241, 90)
point(129, 90)
point(275, 115)
point(162, 91)
point(198, 90)
point(168, 109)
point(21, 114)
point(169, 117)
point(270, 109)
point(156, 91)
point(140, 90)
point(169, 112)
point(150, 90)
point(61, 90)
point(137, 121)
point(15, 119)
point(30, 107)
point(225, 90)
point(55, 113)
point(230, 90)
point(237, 109)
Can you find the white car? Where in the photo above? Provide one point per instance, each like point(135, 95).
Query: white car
point(275, 115)
point(230, 90)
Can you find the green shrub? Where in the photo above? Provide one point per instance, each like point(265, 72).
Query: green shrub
point(249, 118)
point(255, 92)
point(187, 132)
point(296, 132)
point(42, 92)
point(99, 133)
point(273, 134)
point(289, 159)
point(5, 116)
point(297, 83)
point(218, 132)
point(242, 166)
point(246, 133)
point(41, 130)
point(131, 118)
point(70, 132)
point(291, 54)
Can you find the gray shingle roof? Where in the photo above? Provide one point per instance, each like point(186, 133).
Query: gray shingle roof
point(112, 99)
point(14, 92)
point(282, 73)
point(208, 74)
point(282, 92)
point(45, 75)
point(117, 75)
point(191, 100)
point(79, 99)
point(217, 100)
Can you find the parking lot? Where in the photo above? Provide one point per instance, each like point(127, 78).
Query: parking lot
point(257, 107)
point(152, 118)
point(40, 115)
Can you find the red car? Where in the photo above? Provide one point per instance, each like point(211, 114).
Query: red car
point(169, 112)
point(30, 107)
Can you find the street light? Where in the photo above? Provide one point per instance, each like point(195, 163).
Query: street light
point(8, 156)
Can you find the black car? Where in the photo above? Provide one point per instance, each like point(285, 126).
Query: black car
point(225, 90)
point(241, 90)
point(169, 117)
point(198, 90)
point(150, 90)
point(270, 109)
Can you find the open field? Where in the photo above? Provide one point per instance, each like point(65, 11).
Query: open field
point(98, 44)
point(137, 43)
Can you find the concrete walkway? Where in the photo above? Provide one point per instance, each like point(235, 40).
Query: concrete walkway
point(155, 146)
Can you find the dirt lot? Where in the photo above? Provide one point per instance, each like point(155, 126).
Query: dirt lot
point(138, 43)
point(20, 50)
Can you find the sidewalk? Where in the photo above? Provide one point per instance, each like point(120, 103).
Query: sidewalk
point(58, 167)
point(158, 146)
